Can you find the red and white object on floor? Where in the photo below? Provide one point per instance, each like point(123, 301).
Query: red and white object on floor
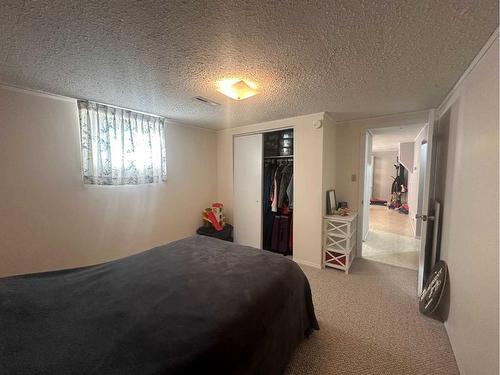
point(214, 216)
point(217, 210)
point(339, 241)
point(210, 217)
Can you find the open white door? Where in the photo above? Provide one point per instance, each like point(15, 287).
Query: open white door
point(424, 215)
point(247, 182)
point(368, 183)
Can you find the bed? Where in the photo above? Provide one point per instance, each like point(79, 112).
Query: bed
point(198, 305)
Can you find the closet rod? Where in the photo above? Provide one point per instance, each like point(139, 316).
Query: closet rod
point(279, 157)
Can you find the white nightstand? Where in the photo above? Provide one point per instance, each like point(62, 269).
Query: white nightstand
point(339, 241)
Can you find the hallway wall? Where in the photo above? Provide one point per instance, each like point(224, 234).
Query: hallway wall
point(383, 173)
point(470, 219)
point(349, 176)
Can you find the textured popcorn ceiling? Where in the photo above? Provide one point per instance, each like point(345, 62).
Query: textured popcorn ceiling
point(385, 139)
point(352, 58)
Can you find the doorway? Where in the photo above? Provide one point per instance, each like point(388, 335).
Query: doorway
point(393, 189)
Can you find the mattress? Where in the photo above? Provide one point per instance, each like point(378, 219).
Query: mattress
point(198, 305)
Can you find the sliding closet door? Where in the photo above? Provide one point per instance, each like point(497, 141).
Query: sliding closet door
point(247, 181)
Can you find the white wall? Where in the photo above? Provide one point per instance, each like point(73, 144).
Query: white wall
point(50, 220)
point(383, 173)
point(470, 218)
point(329, 155)
point(308, 180)
point(350, 151)
point(349, 138)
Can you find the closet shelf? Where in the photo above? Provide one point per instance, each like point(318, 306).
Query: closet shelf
point(279, 157)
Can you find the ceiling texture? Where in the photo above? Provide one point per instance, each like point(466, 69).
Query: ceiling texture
point(388, 139)
point(352, 58)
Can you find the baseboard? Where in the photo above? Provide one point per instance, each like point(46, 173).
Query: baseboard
point(307, 263)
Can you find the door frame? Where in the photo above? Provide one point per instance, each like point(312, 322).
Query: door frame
point(427, 197)
point(361, 192)
point(421, 185)
point(430, 124)
point(367, 184)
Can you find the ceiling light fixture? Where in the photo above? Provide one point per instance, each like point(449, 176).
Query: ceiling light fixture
point(237, 89)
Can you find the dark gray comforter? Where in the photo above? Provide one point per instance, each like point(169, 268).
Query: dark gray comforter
point(198, 305)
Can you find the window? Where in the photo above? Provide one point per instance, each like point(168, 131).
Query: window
point(121, 147)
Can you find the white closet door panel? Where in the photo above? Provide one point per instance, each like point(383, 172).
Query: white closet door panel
point(247, 181)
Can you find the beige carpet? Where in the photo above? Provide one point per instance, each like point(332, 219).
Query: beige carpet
point(370, 324)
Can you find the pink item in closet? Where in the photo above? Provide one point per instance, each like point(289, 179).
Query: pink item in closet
point(274, 203)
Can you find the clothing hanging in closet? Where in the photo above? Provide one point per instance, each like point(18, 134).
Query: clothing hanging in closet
point(278, 203)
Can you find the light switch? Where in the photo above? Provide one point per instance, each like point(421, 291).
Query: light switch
point(353, 178)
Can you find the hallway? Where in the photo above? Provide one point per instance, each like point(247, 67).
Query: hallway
point(390, 239)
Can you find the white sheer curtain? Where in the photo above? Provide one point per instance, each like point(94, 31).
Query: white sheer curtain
point(121, 147)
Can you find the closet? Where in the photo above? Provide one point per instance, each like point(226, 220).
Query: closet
point(277, 192)
point(263, 190)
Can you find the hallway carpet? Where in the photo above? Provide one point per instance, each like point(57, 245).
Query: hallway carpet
point(370, 325)
point(393, 249)
point(390, 239)
point(386, 220)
